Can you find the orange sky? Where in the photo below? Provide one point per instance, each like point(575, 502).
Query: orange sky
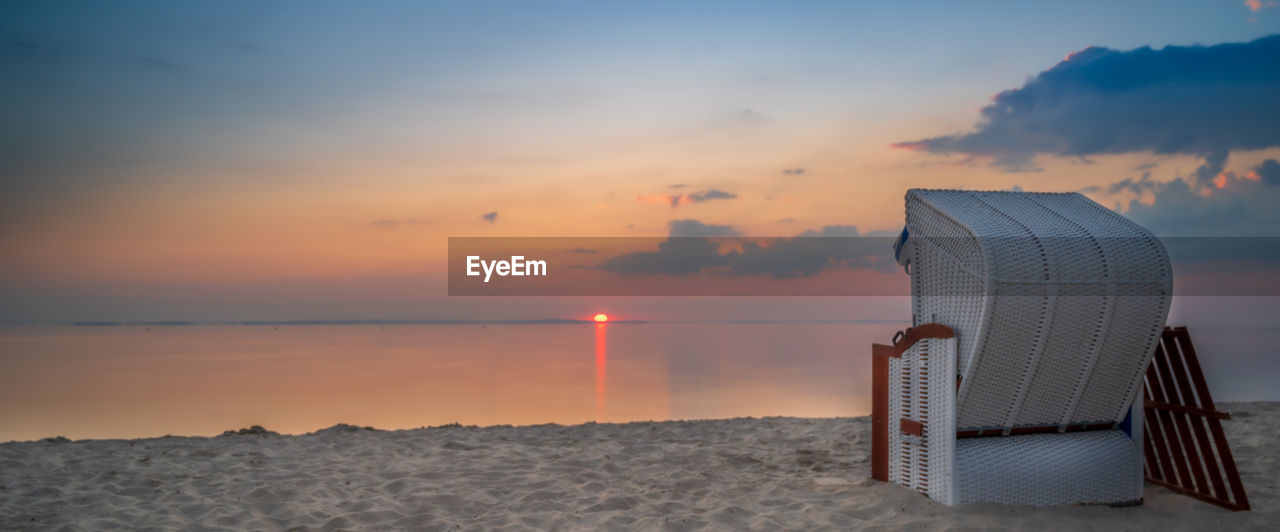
point(164, 167)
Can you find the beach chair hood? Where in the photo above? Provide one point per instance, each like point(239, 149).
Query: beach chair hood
point(1057, 302)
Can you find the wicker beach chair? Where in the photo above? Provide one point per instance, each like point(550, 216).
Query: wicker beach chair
point(1035, 317)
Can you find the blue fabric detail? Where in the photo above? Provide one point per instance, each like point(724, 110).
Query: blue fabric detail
point(897, 246)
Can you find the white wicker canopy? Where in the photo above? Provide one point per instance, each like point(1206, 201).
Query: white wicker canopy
point(1058, 302)
point(1052, 307)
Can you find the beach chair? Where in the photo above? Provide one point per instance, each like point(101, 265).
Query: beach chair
point(1035, 317)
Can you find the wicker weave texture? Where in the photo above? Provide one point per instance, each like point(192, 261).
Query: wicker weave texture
point(1096, 467)
point(1057, 302)
point(921, 386)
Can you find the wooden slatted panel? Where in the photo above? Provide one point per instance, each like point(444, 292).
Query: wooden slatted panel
point(1185, 447)
point(880, 355)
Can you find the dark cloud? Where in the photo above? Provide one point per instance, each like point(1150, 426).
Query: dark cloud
point(1136, 186)
point(1213, 165)
point(832, 230)
point(1232, 206)
point(675, 256)
point(793, 171)
point(692, 197)
point(677, 185)
point(581, 250)
point(1268, 172)
point(1204, 101)
point(696, 228)
point(490, 216)
point(786, 220)
point(805, 255)
point(708, 195)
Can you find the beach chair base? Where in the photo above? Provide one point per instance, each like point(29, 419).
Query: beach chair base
point(915, 443)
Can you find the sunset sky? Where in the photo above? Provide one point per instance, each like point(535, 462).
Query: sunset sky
point(235, 161)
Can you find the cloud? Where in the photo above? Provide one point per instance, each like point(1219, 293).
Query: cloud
point(696, 228)
point(689, 252)
point(692, 197)
point(581, 250)
point(675, 256)
point(793, 171)
point(666, 199)
point(1268, 173)
point(1235, 204)
point(1259, 5)
point(1138, 186)
point(1212, 167)
point(1204, 101)
point(708, 195)
point(832, 230)
point(490, 216)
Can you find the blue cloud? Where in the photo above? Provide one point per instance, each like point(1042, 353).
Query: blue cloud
point(690, 252)
point(712, 194)
point(1204, 101)
point(696, 228)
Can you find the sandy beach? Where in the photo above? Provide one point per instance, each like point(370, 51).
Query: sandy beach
point(770, 473)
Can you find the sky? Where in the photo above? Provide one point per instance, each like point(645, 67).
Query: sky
point(309, 160)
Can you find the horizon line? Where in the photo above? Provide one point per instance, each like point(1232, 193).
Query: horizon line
point(542, 321)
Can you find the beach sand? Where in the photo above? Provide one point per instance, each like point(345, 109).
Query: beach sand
point(771, 473)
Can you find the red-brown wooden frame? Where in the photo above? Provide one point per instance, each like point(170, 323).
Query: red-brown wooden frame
point(880, 355)
point(1177, 407)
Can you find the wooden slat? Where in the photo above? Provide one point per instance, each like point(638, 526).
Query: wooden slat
point(1155, 433)
point(915, 334)
point(880, 355)
point(1171, 441)
point(911, 426)
point(1177, 391)
point(1211, 500)
point(1190, 409)
point(1039, 429)
point(1177, 406)
point(1225, 416)
point(1215, 426)
point(1149, 455)
point(880, 412)
point(1202, 438)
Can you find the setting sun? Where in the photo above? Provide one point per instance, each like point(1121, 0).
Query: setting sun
point(601, 318)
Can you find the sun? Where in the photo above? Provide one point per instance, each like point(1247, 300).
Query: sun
point(601, 318)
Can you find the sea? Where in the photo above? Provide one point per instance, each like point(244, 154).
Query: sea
point(135, 380)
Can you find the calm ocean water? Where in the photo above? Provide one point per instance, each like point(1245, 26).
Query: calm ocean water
point(128, 381)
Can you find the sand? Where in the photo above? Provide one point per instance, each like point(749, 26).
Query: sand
point(771, 473)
